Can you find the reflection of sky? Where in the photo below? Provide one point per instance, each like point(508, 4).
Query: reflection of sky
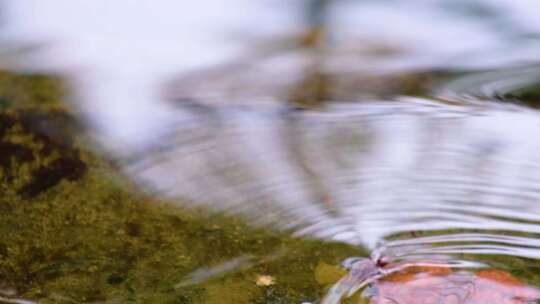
point(127, 47)
point(119, 52)
point(111, 32)
point(447, 32)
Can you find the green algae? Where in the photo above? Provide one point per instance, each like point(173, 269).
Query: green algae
point(529, 95)
point(74, 230)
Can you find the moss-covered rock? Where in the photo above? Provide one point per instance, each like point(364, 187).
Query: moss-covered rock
point(75, 230)
point(529, 95)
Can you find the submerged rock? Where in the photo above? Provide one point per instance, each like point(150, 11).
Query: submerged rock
point(443, 286)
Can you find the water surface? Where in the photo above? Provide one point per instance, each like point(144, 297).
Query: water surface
point(410, 130)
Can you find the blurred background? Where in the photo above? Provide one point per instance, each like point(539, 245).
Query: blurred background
point(272, 132)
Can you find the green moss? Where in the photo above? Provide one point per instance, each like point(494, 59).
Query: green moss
point(108, 243)
point(273, 295)
point(74, 230)
point(529, 95)
point(19, 91)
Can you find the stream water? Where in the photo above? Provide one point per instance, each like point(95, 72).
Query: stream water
point(421, 145)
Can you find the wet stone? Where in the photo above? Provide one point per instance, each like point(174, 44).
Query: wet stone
point(441, 285)
point(10, 152)
point(55, 127)
point(37, 150)
point(47, 177)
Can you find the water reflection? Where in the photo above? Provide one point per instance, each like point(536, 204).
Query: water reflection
point(360, 171)
point(451, 171)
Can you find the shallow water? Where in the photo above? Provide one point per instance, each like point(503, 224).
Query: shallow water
point(410, 131)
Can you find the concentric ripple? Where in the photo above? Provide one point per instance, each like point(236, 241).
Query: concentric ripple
point(456, 174)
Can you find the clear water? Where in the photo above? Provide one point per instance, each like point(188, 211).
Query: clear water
point(196, 102)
